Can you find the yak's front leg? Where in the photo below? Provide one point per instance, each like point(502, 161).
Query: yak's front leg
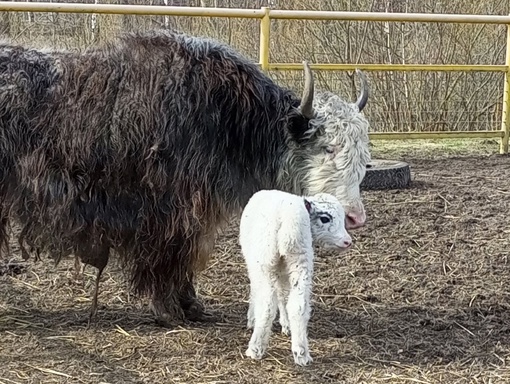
point(192, 308)
point(166, 307)
point(298, 309)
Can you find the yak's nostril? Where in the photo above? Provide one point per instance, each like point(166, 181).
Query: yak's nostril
point(354, 221)
point(351, 219)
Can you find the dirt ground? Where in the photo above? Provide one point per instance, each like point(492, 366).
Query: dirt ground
point(421, 298)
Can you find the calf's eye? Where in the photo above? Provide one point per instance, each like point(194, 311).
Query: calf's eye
point(325, 220)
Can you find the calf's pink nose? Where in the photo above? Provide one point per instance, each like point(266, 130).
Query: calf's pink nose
point(347, 243)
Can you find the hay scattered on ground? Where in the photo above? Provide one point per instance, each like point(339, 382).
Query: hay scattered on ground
point(422, 298)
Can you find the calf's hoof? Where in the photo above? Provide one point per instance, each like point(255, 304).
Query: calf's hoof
point(302, 356)
point(255, 352)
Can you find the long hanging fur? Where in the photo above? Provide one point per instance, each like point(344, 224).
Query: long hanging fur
point(144, 143)
point(147, 144)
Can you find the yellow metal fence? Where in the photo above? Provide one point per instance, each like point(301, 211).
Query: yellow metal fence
point(266, 15)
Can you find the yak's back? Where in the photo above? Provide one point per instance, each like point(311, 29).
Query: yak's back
point(178, 118)
point(26, 79)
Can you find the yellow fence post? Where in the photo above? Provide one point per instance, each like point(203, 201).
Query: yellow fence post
point(266, 15)
point(265, 30)
point(505, 119)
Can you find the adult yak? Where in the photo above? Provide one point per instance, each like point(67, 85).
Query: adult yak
point(148, 144)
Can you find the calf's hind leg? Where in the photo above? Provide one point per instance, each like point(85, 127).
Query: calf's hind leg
point(298, 309)
point(251, 313)
point(282, 293)
point(264, 311)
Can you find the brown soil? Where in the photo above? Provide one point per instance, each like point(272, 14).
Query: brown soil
point(422, 297)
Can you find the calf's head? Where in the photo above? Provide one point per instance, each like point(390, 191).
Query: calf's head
point(327, 222)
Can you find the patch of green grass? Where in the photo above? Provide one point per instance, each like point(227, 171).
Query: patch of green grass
point(426, 148)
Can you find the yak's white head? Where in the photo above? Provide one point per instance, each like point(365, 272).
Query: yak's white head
point(335, 152)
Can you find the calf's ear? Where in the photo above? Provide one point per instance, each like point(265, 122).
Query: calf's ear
point(309, 206)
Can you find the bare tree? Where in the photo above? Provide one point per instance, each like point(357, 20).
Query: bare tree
point(400, 101)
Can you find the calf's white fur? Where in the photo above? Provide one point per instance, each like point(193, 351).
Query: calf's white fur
point(277, 232)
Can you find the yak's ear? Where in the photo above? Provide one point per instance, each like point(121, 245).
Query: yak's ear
point(301, 129)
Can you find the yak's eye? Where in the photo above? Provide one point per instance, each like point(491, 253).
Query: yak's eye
point(325, 219)
point(329, 149)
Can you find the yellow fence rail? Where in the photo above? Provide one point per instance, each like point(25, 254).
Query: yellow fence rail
point(266, 15)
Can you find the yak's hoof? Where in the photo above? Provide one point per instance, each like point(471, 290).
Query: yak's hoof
point(166, 317)
point(166, 322)
point(197, 313)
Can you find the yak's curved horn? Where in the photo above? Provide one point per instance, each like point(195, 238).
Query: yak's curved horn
point(306, 106)
point(363, 97)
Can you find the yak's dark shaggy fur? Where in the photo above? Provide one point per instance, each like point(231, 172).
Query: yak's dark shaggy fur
point(141, 144)
point(144, 146)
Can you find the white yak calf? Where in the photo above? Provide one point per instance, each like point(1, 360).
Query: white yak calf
point(277, 232)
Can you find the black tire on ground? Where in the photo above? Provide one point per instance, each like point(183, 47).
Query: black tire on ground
point(386, 174)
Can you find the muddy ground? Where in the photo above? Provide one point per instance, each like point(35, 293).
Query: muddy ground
point(422, 297)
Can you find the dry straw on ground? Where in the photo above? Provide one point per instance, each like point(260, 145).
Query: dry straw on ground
point(422, 298)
